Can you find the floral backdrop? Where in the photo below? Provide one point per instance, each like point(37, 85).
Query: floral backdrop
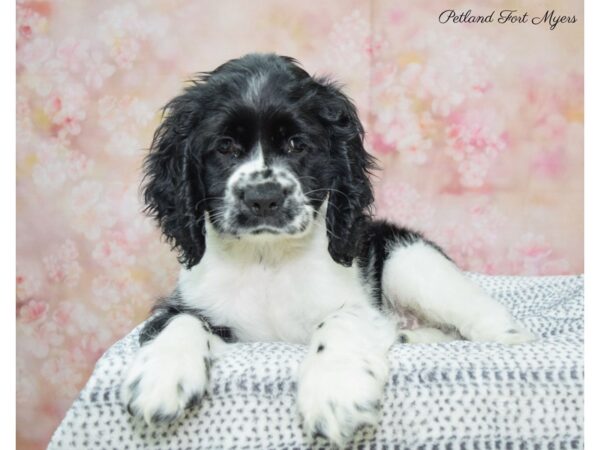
point(478, 129)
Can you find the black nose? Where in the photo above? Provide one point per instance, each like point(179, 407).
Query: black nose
point(264, 199)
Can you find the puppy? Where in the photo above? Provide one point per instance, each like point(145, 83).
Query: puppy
point(259, 179)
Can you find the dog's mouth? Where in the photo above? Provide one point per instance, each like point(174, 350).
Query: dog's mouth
point(291, 221)
point(297, 226)
point(265, 230)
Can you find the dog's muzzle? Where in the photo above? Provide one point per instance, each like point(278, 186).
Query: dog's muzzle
point(265, 201)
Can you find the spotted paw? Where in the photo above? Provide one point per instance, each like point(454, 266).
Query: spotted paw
point(162, 382)
point(337, 396)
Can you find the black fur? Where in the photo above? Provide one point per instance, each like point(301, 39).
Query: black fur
point(173, 190)
point(376, 242)
point(351, 194)
point(171, 306)
point(185, 177)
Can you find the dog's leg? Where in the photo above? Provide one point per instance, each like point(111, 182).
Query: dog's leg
point(419, 277)
point(426, 335)
point(171, 370)
point(341, 380)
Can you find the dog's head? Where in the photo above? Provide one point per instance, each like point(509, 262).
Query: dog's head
point(257, 146)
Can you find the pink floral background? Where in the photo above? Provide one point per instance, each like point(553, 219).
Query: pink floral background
point(478, 129)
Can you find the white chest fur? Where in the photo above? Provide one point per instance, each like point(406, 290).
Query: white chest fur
point(269, 289)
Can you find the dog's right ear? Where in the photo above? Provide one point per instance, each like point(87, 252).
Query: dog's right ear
point(351, 193)
point(172, 185)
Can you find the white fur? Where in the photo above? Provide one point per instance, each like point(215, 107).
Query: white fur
point(420, 278)
point(169, 370)
point(271, 288)
point(288, 288)
point(255, 86)
point(342, 378)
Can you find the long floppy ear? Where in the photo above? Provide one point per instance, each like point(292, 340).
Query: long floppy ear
point(172, 186)
point(351, 193)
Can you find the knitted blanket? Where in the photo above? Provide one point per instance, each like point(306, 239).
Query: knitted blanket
point(456, 395)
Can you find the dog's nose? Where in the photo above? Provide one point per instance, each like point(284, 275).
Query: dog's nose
point(264, 199)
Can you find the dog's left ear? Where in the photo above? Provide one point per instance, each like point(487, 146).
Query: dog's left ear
point(350, 194)
point(172, 187)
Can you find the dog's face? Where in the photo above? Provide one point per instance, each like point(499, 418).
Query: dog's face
point(263, 161)
point(257, 146)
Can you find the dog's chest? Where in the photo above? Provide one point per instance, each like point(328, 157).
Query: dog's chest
point(266, 302)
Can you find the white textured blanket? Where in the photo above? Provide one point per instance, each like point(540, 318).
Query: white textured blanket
point(451, 396)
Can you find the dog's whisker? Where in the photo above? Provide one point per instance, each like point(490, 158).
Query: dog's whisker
point(328, 190)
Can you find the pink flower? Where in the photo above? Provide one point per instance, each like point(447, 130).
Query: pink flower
point(62, 315)
point(97, 70)
point(29, 23)
point(107, 292)
point(549, 163)
point(457, 69)
point(373, 44)
point(121, 319)
point(63, 372)
point(401, 203)
point(73, 53)
point(29, 281)
point(470, 236)
point(350, 40)
point(475, 139)
point(50, 75)
point(34, 53)
point(66, 107)
point(91, 210)
point(380, 145)
point(125, 52)
point(533, 255)
point(39, 338)
point(89, 348)
point(122, 29)
point(24, 119)
point(397, 15)
point(62, 266)
point(32, 311)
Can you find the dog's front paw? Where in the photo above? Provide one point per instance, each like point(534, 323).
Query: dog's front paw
point(338, 395)
point(162, 382)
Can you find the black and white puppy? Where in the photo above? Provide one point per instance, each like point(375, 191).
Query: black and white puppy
point(259, 179)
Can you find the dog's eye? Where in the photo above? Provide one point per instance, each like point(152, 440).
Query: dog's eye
point(227, 146)
point(296, 145)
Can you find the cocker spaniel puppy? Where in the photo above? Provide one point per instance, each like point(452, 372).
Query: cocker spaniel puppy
point(259, 179)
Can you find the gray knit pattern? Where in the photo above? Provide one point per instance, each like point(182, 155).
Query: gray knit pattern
point(450, 396)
